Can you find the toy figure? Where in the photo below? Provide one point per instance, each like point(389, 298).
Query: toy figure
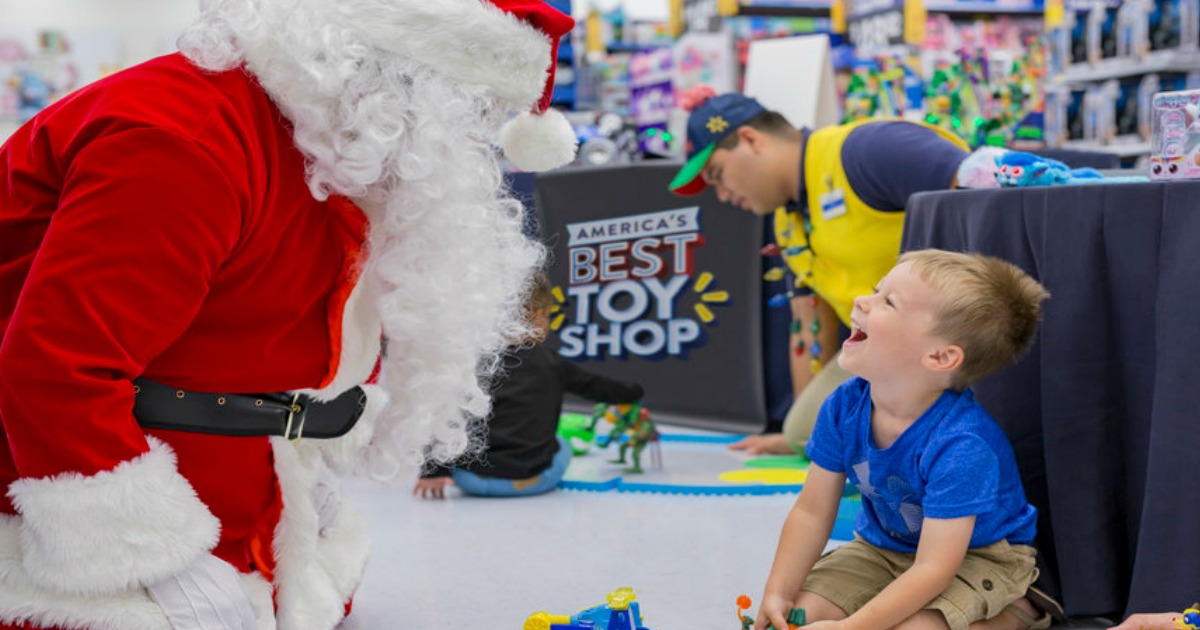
point(635, 422)
point(1133, 28)
point(795, 618)
point(1017, 168)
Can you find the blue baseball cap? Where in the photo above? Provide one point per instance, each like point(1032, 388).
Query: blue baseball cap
point(714, 119)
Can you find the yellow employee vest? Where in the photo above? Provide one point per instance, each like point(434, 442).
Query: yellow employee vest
point(847, 246)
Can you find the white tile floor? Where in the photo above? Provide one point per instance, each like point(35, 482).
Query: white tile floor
point(467, 563)
point(489, 563)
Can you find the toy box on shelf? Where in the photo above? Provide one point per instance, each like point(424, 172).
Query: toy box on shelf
point(1107, 60)
point(652, 98)
point(1175, 135)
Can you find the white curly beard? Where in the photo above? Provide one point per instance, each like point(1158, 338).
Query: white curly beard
point(448, 262)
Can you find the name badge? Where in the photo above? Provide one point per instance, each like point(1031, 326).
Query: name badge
point(833, 204)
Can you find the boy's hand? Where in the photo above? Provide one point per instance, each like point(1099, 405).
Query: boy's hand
point(769, 444)
point(432, 488)
point(1149, 621)
point(773, 612)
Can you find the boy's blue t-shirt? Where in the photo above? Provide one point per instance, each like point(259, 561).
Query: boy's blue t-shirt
point(954, 461)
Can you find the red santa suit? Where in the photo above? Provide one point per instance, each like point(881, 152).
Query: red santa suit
point(219, 272)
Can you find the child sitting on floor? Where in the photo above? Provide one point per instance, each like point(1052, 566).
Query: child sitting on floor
point(944, 537)
point(524, 455)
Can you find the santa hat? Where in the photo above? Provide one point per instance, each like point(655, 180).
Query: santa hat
point(511, 46)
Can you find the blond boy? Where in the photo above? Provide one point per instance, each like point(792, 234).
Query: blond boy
point(944, 538)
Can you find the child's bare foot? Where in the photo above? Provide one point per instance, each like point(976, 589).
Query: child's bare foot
point(767, 444)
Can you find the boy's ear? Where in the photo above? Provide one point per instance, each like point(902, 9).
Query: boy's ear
point(945, 358)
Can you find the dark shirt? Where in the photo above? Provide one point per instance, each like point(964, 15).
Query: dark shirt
point(526, 404)
point(888, 161)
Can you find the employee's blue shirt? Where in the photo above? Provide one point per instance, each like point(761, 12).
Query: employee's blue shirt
point(886, 162)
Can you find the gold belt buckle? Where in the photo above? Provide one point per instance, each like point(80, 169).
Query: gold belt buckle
point(293, 409)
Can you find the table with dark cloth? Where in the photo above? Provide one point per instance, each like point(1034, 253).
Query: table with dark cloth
point(1104, 412)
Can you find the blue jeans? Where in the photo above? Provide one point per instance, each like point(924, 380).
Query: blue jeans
point(470, 483)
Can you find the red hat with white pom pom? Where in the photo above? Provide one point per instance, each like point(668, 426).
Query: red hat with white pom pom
point(510, 46)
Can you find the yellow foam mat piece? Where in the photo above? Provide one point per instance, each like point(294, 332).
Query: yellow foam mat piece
point(769, 476)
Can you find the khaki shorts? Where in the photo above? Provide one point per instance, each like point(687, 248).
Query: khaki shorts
point(989, 579)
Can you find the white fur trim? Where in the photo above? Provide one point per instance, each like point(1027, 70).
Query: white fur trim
point(21, 600)
point(114, 530)
point(361, 334)
point(538, 142)
point(469, 40)
point(315, 575)
point(342, 551)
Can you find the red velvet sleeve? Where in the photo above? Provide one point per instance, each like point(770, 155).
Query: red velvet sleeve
point(144, 220)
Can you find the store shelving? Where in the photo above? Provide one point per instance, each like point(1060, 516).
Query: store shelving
point(1123, 146)
point(1114, 68)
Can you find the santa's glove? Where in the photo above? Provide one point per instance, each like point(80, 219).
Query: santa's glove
point(208, 595)
point(327, 500)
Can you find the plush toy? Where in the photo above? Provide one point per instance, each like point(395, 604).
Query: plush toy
point(1017, 168)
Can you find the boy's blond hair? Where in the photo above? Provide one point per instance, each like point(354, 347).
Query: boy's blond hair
point(990, 308)
point(541, 293)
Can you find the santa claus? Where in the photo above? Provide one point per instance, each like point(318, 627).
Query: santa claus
point(187, 243)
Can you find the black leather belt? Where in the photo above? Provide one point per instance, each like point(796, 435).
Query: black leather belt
point(158, 406)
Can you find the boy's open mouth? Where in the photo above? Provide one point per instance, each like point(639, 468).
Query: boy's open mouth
point(857, 335)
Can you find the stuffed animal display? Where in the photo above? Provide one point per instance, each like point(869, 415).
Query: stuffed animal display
point(1017, 169)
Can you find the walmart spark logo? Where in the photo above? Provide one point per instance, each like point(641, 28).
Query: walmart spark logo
point(711, 297)
point(717, 124)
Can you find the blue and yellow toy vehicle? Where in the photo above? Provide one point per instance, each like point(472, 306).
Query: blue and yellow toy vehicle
point(620, 613)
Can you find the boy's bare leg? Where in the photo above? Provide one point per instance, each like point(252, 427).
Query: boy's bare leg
point(924, 620)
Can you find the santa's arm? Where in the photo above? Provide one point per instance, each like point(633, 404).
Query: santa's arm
point(144, 221)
